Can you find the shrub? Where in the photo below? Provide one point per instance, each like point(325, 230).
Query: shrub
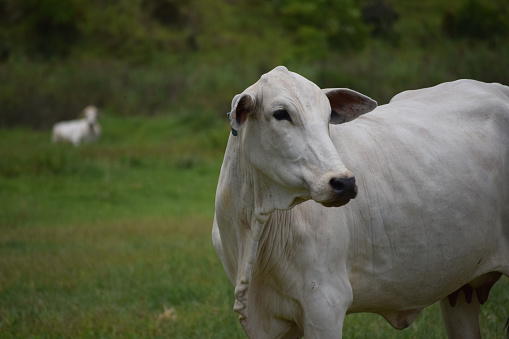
point(381, 16)
point(477, 20)
point(337, 22)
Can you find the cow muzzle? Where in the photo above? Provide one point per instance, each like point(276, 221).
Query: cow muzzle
point(335, 191)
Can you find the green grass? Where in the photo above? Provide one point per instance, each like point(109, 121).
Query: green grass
point(113, 240)
point(97, 241)
point(114, 279)
point(141, 167)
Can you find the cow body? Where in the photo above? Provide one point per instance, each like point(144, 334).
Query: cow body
point(78, 131)
point(430, 222)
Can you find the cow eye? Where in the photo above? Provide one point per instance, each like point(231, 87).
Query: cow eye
point(282, 114)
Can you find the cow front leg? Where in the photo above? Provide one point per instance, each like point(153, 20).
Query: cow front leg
point(460, 314)
point(324, 311)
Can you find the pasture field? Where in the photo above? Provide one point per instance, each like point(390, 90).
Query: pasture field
point(112, 240)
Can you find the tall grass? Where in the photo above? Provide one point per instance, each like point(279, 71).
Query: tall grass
point(38, 95)
point(416, 52)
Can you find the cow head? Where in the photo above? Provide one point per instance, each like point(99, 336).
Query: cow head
point(283, 123)
point(90, 113)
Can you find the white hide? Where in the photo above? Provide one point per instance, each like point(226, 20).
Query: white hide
point(430, 221)
point(80, 130)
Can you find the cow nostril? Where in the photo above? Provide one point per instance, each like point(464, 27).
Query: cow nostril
point(341, 185)
point(337, 184)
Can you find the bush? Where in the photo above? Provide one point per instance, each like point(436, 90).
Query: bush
point(381, 16)
point(477, 20)
point(324, 25)
point(47, 27)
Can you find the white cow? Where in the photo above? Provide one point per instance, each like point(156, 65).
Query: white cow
point(430, 222)
point(80, 130)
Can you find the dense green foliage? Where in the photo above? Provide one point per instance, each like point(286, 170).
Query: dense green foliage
point(137, 29)
point(477, 20)
point(149, 57)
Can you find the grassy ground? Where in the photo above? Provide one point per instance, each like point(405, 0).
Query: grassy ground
point(113, 239)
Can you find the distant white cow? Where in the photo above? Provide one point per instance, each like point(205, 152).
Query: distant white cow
point(78, 131)
point(430, 222)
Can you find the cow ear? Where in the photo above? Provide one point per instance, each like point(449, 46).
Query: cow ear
point(347, 105)
point(242, 105)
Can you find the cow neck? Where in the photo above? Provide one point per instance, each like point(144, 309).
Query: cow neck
point(253, 204)
point(91, 127)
